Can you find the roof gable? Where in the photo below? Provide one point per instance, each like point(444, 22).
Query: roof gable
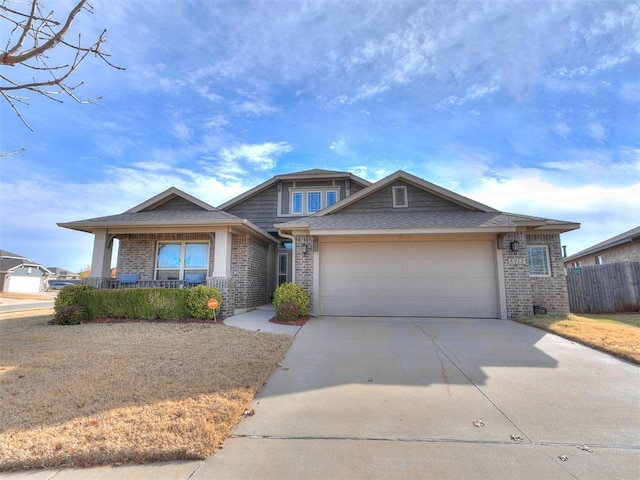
point(172, 199)
point(305, 175)
point(423, 191)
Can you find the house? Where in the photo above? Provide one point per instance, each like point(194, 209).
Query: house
point(20, 274)
point(62, 274)
point(398, 247)
point(621, 248)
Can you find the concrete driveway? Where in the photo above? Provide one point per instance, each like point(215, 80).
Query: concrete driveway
point(447, 399)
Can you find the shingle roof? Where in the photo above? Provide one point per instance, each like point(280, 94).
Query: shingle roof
point(4, 253)
point(165, 218)
point(628, 236)
point(423, 220)
point(152, 217)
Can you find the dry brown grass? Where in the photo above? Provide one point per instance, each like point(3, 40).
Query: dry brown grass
point(133, 392)
point(617, 334)
point(26, 296)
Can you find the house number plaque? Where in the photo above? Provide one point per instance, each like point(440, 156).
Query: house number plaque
point(517, 261)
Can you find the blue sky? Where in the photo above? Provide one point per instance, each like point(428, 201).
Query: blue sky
point(530, 107)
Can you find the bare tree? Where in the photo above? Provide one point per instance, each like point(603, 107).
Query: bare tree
point(33, 37)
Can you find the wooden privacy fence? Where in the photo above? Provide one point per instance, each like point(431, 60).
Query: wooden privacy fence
point(613, 287)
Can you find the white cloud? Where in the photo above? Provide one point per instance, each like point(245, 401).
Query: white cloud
point(597, 131)
point(603, 211)
point(33, 205)
point(260, 156)
point(181, 131)
point(257, 108)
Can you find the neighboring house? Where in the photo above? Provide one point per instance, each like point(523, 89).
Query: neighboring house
point(621, 248)
point(399, 247)
point(18, 274)
point(62, 274)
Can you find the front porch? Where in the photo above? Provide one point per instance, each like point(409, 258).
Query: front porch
point(174, 240)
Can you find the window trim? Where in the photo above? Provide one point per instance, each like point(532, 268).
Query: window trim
point(326, 196)
point(293, 203)
point(182, 267)
point(395, 190)
point(547, 261)
point(599, 260)
point(319, 194)
point(304, 193)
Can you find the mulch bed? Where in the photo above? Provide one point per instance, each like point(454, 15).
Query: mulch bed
point(298, 323)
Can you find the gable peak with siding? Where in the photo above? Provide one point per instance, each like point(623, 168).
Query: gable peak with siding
point(172, 199)
point(446, 199)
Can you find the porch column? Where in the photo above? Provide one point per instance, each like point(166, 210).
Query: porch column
point(222, 253)
point(102, 252)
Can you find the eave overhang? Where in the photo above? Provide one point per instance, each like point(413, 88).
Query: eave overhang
point(238, 226)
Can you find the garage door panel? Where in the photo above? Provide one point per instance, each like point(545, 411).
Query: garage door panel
point(444, 279)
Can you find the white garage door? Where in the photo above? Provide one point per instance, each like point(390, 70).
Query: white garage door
point(432, 279)
point(24, 284)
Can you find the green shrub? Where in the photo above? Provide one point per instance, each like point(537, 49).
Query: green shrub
point(287, 312)
point(69, 315)
point(143, 303)
point(294, 294)
point(197, 301)
point(70, 295)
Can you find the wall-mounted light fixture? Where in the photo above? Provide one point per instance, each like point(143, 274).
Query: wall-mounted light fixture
point(514, 246)
point(304, 248)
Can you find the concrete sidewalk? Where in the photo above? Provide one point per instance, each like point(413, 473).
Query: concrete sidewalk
point(390, 398)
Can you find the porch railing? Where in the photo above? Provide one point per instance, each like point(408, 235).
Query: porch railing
point(221, 283)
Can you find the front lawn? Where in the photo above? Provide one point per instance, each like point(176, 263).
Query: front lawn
point(616, 333)
point(125, 392)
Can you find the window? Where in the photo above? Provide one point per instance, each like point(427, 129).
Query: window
point(296, 202)
point(577, 264)
point(599, 260)
point(308, 201)
point(177, 258)
point(283, 268)
point(332, 197)
point(314, 202)
point(538, 256)
point(400, 197)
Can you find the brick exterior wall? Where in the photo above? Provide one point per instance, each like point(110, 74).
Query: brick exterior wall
point(305, 264)
point(523, 291)
point(137, 252)
point(249, 259)
point(551, 292)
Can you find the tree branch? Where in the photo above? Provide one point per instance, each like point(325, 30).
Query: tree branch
point(8, 58)
point(42, 31)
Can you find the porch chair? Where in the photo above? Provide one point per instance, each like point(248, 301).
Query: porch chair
point(193, 279)
point(128, 279)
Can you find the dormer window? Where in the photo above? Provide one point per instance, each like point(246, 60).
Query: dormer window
point(400, 197)
point(332, 197)
point(296, 202)
point(314, 202)
point(308, 201)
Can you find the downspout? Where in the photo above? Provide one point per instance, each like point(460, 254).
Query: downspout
point(293, 255)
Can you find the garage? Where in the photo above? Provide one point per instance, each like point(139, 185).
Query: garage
point(24, 284)
point(409, 278)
